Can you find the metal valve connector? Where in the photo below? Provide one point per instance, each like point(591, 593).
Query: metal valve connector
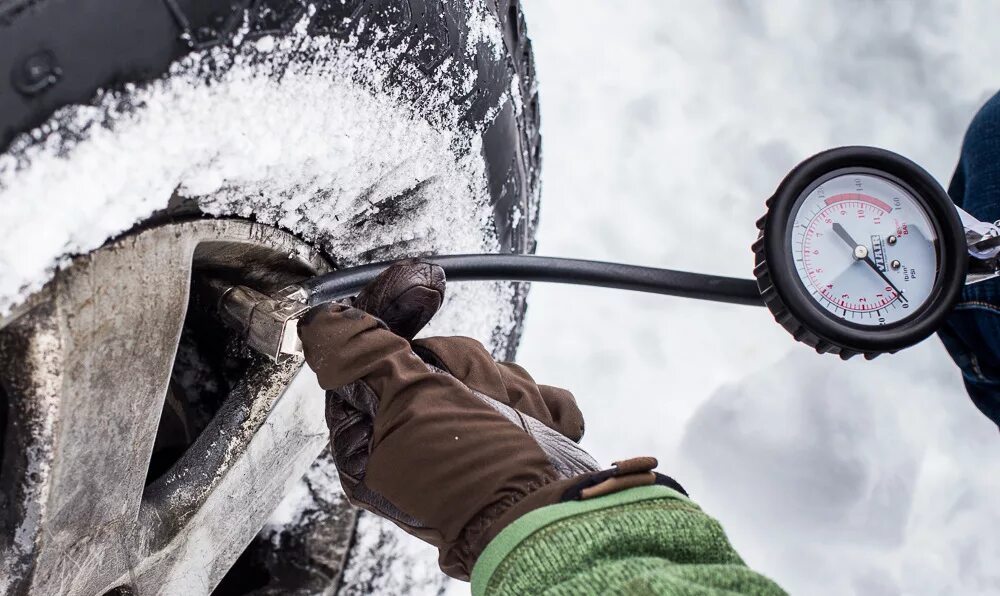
point(269, 324)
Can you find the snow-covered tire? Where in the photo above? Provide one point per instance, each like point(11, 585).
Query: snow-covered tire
point(346, 131)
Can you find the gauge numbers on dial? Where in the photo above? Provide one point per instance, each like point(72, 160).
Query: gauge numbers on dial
point(864, 249)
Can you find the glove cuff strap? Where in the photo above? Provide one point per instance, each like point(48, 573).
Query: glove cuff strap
point(626, 474)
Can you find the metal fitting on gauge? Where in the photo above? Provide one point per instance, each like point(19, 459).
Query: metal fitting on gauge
point(268, 323)
point(983, 239)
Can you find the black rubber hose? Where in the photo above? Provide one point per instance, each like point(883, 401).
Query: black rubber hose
point(346, 282)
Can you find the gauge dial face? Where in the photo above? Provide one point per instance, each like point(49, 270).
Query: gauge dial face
point(865, 249)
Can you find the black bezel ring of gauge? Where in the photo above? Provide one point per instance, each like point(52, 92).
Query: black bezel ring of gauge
point(776, 261)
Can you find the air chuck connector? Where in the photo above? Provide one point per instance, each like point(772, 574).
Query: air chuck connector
point(269, 324)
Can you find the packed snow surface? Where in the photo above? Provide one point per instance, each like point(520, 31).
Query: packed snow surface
point(666, 124)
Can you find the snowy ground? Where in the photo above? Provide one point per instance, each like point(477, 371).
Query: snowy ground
point(666, 125)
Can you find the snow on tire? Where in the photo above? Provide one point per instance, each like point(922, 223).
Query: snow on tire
point(368, 129)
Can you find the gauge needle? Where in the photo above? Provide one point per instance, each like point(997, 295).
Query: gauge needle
point(865, 256)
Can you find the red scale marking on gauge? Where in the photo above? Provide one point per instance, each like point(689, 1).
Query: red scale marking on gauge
point(857, 196)
point(866, 205)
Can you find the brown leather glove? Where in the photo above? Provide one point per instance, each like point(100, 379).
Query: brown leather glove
point(450, 461)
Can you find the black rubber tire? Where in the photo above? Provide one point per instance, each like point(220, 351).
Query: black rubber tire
point(62, 53)
point(55, 54)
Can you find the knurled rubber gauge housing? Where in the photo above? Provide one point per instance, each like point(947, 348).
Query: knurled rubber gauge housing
point(860, 251)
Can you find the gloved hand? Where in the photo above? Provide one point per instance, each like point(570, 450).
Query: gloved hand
point(452, 449)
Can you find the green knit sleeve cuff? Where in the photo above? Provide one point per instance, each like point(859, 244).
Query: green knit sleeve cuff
point(522, 529)
point(647, 540)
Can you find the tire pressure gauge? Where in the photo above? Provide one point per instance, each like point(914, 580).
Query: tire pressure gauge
point(860, 252)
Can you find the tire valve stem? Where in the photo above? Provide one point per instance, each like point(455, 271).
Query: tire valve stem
point(269, 324)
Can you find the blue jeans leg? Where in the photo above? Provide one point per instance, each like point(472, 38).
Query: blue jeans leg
point(972, 332)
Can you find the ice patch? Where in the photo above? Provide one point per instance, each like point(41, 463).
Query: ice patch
point(515, 94)
point(483, 28)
